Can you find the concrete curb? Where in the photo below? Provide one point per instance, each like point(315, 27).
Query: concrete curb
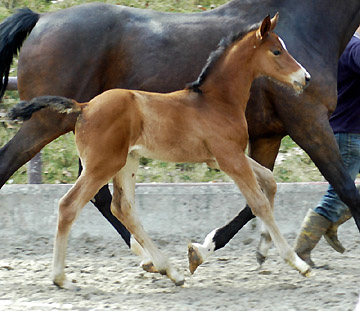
point(165, 209)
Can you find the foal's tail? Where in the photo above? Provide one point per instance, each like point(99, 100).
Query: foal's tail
point(25, 109)
point(13, 32)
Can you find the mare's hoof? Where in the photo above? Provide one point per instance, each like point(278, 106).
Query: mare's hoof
point(149, 267)
point(195, 258)
point(260, 258)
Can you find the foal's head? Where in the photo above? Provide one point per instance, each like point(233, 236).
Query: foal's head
point(257, 51)
point(273, 60)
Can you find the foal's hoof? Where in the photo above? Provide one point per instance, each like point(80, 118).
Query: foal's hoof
point(180, 282)
point(68, 285)
point(149, 267)
point(308, 273)
point(301, 265)
point(260, 258)
point(195, 258)
point(174, 276)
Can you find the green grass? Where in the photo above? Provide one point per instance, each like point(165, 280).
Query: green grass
point(60, 161)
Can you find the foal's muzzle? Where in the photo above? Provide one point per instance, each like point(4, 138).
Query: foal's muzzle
point(301, 86)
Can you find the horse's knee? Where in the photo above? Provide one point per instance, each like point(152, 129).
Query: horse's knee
point(121, 209)
point(67, 212)
point(115, 209)
point(268, 183)
point(261, 207)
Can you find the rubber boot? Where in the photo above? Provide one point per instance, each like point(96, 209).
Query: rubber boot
point(313, 227)
point(331, 234)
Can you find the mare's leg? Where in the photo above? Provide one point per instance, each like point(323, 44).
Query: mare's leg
point(43, 127)
point(69, 207)
point(123, 207)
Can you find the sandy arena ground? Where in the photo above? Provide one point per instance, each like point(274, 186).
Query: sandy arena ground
point(110, 278)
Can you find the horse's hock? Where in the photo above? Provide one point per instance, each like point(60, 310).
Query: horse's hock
point(180, 210)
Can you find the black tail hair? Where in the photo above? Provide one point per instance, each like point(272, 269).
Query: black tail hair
point(13, 32)
point(24, 110)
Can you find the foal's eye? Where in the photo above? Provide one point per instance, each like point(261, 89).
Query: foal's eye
point(276, 52)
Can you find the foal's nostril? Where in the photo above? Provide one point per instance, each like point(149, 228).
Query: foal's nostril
point(307, 81)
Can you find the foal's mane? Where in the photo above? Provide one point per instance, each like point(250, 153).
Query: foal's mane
point(214, 56)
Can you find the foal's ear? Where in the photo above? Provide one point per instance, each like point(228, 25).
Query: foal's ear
point(264, 28)
point(274, 21)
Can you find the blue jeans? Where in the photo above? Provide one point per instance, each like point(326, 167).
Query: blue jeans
point(349, 144)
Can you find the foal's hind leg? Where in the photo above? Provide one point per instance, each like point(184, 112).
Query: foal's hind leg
point(102, 202)
point(70, 206)
point(123, 207)
point(267, 183)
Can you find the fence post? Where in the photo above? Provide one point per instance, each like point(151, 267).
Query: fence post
point(35, 169)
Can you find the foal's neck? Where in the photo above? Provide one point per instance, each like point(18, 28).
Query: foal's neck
point(231, 78)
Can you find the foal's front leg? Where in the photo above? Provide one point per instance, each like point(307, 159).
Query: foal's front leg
point(123, 207)
point(245, 179)
point(219, 237)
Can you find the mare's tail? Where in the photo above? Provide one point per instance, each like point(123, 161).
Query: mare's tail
point(25, 109)
point(13, 32)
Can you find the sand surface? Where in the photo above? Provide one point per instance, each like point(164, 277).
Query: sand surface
point(111, 279)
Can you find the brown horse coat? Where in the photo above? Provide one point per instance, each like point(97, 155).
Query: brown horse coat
point(106, 46)
point(204, 123)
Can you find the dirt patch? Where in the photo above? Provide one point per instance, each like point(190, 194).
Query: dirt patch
point(110, 278)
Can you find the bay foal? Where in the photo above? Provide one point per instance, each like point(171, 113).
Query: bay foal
point(203, 123)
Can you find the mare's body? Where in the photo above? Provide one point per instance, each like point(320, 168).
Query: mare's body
point(82, 51)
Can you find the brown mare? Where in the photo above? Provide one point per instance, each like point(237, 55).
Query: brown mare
point(82, 51)
point(119, 126)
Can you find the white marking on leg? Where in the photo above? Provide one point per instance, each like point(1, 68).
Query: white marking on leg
point(208, 247)
point(303, 267)
point(265, 242)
